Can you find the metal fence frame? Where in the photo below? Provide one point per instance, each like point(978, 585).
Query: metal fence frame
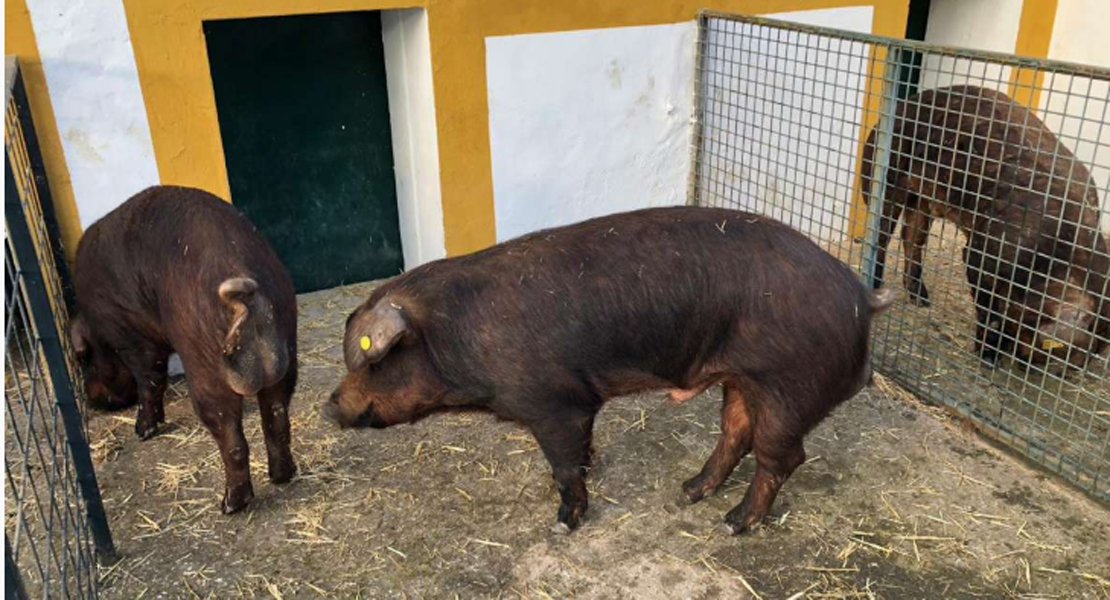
point(55, 525)
point(724, 176)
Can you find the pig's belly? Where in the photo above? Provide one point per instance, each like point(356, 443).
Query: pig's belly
point(636, 383)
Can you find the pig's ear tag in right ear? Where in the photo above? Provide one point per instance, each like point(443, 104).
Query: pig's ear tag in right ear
point(364, 343)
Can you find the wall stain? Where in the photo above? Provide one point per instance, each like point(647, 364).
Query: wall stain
point(80, 142)
point(614, 73)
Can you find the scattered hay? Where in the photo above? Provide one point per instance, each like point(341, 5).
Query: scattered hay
point(306, 525)
point(429, 510)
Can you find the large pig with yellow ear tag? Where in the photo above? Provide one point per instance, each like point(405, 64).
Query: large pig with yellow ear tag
point(542, 330)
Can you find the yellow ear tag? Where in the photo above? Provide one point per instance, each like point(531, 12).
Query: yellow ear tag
point(364, 343)
point(1051, 344)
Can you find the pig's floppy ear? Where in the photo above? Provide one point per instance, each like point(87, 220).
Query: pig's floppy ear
point(79, 337)
point(237, 293)
point(372, 334)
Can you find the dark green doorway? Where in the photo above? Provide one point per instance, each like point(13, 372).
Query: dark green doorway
point(304, 116)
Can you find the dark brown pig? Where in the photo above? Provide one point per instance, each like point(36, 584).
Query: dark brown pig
point(178, 270)
point(543, 329)
point(1035, 258)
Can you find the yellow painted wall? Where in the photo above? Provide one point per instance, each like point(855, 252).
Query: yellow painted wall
point(19, 39)
point(1038, 19)
point(173, 70)
point(458, 55)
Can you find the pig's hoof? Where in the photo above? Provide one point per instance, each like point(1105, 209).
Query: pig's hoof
point(570, 517)
point(236, 500)
point(145, 431)
point(739, 527)
point(919, 294)
point(283, 473)
point(739, 523)
point(731, 529)
point(694, 491)
point(560, 528)
point(989, 356)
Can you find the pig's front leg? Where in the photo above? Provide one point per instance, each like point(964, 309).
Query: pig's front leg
point(150, 371)
point(988, 317)
point(988, 327)
point(565, 438)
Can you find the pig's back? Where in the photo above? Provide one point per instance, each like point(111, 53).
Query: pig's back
point(662, 291)
point(161, 256)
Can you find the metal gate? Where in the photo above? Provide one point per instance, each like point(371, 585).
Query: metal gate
point(1002, 258)
point(55, 528)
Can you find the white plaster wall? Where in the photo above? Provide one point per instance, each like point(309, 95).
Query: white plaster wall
point(412, 116)
point(1078, 108)
point(586, 123)
point(593, 122)
point(1079, 34)
point(98, 103)
point(781, 133)
point(977, 24)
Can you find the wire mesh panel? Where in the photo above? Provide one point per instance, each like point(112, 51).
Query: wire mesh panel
point(54, 523)
point(975, 182)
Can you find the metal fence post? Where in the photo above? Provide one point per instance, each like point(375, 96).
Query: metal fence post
point(62, 386)
point(880, 163)
point(693, 183)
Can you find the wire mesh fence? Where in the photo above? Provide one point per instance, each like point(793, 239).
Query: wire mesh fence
point(996, 170)
point(54, 523)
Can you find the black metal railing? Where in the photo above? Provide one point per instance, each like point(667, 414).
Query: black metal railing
point(55, 528)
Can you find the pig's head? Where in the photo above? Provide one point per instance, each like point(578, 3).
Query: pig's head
point(390, 378)
point(109, 384)
point(1058, 324)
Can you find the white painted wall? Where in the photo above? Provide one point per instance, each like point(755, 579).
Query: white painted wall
point(586, 123)
point(98, 103)
point(1078, 108)
point(1079, 34)
point(781, 133)
point(977, 24)
point(412, 116)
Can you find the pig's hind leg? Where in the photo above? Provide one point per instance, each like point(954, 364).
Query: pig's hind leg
point(777, 443)
point(222, 415)
point(565, 437)
point(733, 445)
point(273, 405)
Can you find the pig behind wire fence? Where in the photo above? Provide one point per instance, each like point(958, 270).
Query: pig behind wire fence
point(973, 183)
